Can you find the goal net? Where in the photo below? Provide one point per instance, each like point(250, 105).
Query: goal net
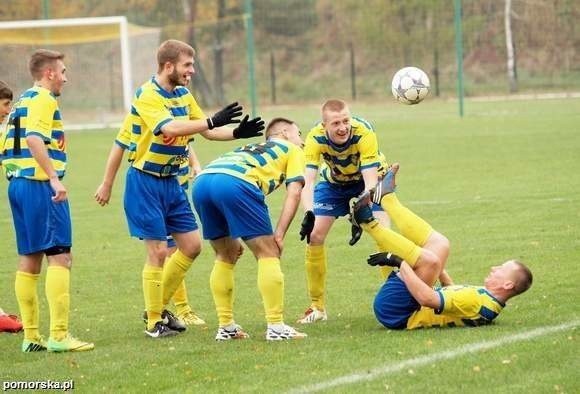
point(106, 57)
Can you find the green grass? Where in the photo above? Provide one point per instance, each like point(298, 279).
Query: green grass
point(501, 183)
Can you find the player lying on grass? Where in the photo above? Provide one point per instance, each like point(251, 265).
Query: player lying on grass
point(407, 299)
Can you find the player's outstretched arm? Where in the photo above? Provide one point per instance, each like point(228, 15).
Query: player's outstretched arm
point(223, 117)
point(307, 198)
point(103, 192)
point(248, 128)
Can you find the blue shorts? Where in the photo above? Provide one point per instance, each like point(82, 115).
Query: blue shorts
point(394, 304)
point(228, 206)
point(156, 206)
point(40, 223)
point(331, 199)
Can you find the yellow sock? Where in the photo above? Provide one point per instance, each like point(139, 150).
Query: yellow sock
point(221, 282)
point(58, 296)
point(388, 240)
point(316, 275)
point(180, 299)
point(174, 271)
point(153, 292)
point(271, 285)
point(409, 224)
point(27, 296)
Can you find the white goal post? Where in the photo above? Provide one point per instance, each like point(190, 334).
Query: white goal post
point(121, 21)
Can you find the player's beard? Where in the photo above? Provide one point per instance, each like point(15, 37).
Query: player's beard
point(177, 80)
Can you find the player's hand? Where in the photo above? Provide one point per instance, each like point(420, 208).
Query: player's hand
point(307, 226)
point(225, 116)
point(103, 194)
point(249, 128)
point(385, 258)
point(279, 239)
point(355, 234)
point(59, 190)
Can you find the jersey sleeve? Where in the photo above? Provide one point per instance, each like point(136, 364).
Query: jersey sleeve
point(40, 116)
point(462, 302)
point(195, 111)
point(312, 152)
point(123, 138)
point(152, 111)
point(295, 168)
point(369, 151)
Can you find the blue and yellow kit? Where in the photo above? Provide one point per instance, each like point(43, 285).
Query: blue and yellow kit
point(153, 152)
point(266, 165)
point(36, 112)
point(343, 164)
point(460, 306)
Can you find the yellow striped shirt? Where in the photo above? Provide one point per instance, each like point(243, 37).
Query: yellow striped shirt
point(153, 107)
point(460, 306)
point(266, 165)
point(343, 164)
point(35, 113)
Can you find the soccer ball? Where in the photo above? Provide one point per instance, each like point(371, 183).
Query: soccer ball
point(410, 85)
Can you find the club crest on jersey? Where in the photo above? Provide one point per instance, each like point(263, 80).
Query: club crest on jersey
point(61, 143)
point(167, 140)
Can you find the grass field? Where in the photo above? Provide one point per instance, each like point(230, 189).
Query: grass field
point(501, 183)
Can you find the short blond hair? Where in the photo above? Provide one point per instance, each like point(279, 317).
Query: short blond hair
point(40, 59)
point(524, 278)
point(271, 128)
point(333, 105)
point(170, 50)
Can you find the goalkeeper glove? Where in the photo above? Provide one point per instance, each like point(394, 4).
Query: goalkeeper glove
point(307, 226)
point(249, 128)
point(385, 258)
point(355, 233)
point(225, 116)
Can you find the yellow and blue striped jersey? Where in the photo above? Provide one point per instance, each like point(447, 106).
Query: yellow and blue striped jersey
point(343, 164)
point(266, 165)
point(153, 107)
point(123, 139)
point(460, 306)
point(36, 112)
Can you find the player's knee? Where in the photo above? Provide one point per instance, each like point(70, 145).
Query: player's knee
point(158, 254)
point(317, 238)
point(429, 261)
point(193, 250)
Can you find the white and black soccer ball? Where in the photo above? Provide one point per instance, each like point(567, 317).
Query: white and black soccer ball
point(410, 85)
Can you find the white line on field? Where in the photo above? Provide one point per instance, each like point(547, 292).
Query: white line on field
point(432, 358)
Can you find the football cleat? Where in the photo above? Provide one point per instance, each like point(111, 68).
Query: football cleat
point(233, 331)
point(69, 344)
point(10, 323)
point(36, 345)
point(160, 330)
point(282, 332)
point(361, 210)
point(386, 185)
point(312, 315)
point(170, 320)
point(191, 319)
